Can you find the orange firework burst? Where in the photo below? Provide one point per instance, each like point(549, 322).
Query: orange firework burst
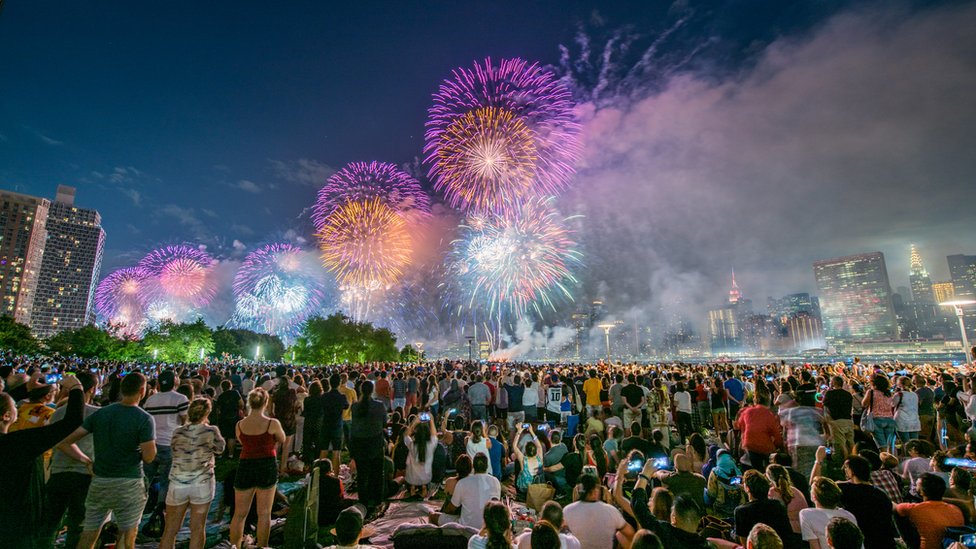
point(366, 243)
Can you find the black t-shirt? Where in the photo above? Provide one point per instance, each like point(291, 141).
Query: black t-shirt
point(334, 404)
point(515, 393)
point(633, 394)
point(872, 509)
point(770, 512)
point(635, 443)
point(573, 465)
point(229, 405)
point(839, 403)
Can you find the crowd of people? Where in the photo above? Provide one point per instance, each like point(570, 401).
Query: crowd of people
point(762, 456)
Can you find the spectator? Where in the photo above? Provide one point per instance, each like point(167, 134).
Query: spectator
point(763, 537)
point(472, 493)
point(420, 438)
point(907, 422)
point(805, 427)
point(826, 497)
point(633, 402)
point(685, 482)
point(724, 487)
point(479, 395)
point(932, 516)
point(515, 391)
point(497, 531)
point(312, 421)
point(682, 531)
point(332, 494)
point(230, 409)
point(634, 441)
point(761, 431)
point(838, 405)
point(645, 539)
point(554, 456)
point(530, 461)
point(595, 523)
point(284, 407)
point(878, 401)
point(67, 486)
point(783, 490)
point(22, 506)
point(552, 515)
point(761, 509)
point(192, 475)
point(124, 438)
point(168, 410)
point(683, 409)
point(257, 474)
point(349, 530)
point(592, 388)
point(871, 507)
point(844, 534)
point(335, 407)
point(478, 443)
point(530, 398)
point(38, 409)
point(366, 446)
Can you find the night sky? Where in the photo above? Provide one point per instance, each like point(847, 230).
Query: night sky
point(753, 135)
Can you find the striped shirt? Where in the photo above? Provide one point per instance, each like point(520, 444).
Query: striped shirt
point(167, 410)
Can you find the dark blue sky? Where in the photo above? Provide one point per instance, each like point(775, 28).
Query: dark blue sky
point(212, 121)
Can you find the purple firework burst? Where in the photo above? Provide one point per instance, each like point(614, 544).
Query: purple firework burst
point(118, 298)
point(364, 181)
point(500, 133)
point(181, 274)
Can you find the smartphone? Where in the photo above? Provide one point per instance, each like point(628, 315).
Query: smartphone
point(424, 416)
point(635, 466)
point(968, 540)
point(662, 463)
point(526, 426)
point(830, 451)
point(389, 432)
point(735, 481)
point(51, 379)
point(770, 378)
point(452, 411)
point(961, 462)
point(542, 427)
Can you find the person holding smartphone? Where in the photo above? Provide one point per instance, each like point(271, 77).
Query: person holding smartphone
point(421, 439)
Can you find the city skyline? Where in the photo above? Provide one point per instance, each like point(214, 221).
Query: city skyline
point(713, 137)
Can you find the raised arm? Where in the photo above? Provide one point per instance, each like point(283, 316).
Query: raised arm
point(34, 442)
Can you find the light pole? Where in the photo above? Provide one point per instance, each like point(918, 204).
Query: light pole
point(470, 346)
point(606, 332)
point(257, 353)
point(958, 305)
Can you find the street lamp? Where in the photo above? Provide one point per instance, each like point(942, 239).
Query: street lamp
point(257, 353)
point(470, 346)
point(958, 305)
point(606, 332)
point(201, 353)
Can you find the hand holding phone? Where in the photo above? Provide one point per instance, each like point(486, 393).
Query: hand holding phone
point(735, 481)
point(424, 416)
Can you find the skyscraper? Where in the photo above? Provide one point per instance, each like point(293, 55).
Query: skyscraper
point(943, 291)
point(22, 236)
point(855, 298)
point(70, 268)
point(919, 279)
point(723, 329)
point(962, 269)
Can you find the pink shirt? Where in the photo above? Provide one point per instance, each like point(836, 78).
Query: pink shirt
point(797, 504)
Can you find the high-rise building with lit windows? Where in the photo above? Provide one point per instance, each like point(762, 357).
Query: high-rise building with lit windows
point(22, 236)
point(962, 269)
point(70, 267)
point(855, 298)
point(919, 279)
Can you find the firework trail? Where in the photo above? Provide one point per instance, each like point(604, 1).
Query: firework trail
point(362, 182)
point(498, 134)
point(118, 299)
point(277, 288)
point(514, 262)
point(179, 282)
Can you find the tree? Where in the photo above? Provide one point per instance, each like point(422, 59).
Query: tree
point(16, 337)
point(340, 339)
point(91, 342)
point(409, 354)
point(179, 342)
point(236, 342)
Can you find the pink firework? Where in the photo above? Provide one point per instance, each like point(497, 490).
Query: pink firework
point(497, 134)
point(118, 298)
point(181, 274)
point(364, 181)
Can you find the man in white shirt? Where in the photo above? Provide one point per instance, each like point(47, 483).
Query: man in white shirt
point(471, 494)
point(168, 410)
point(552, 512)
point(596, 524)
point(530, 398)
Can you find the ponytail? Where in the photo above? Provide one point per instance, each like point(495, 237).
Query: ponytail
point(781, 477)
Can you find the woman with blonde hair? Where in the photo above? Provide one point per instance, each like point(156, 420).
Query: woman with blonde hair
point(782, 489)
point(191, 478)
point(257, 471)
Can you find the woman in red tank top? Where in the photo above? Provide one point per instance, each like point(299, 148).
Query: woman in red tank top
point(257, 472)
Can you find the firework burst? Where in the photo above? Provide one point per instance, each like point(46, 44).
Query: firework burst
point(500, 133)
point(180, 274)
point(118, 299)
point(362, 182)
point(277, 288)
point(512, 262)
point(366, 244)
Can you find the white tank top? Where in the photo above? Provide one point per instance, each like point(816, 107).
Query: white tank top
point(474, 449)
